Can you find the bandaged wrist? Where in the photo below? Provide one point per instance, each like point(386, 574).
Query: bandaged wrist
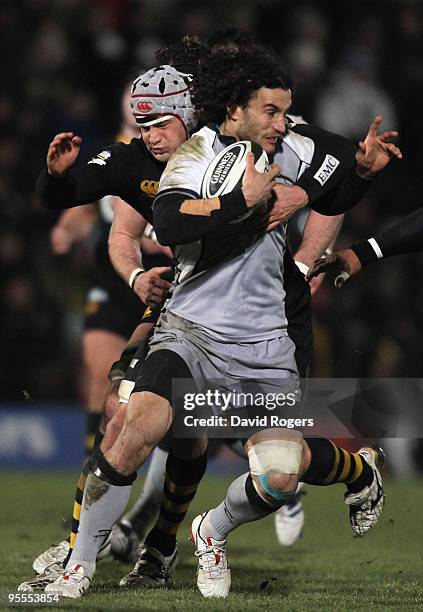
point(134, 275)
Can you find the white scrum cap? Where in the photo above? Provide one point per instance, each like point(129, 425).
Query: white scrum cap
point(160, 94)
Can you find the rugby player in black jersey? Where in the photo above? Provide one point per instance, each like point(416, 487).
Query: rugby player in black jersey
point(112, 310)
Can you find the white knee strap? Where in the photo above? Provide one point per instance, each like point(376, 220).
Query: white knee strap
point(274, 456)
point(283, 456)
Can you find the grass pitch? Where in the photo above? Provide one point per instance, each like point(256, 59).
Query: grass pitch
point(328, 569)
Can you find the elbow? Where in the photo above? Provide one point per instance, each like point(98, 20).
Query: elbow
point(164, 236)
point(161, 227)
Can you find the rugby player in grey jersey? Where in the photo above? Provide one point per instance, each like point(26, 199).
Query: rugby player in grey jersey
point(255, 108)
point(174, 353)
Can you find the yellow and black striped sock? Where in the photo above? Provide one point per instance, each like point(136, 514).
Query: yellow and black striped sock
point(331, 464)
point(93, 420)
point(182, 480)
point(76, 512)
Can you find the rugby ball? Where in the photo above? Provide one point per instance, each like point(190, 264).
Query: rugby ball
point(226, 170)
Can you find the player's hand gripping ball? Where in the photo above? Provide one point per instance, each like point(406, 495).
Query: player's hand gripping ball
point(226, 171)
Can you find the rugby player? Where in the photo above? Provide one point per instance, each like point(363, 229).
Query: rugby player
point(245, 104)
point(149, 415)
point(112, 310)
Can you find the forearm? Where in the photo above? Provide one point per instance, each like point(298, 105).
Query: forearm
point(124, 252)
point(124, 240)
point(351, 190)
point(56, 193)
point(320, 233)
point(183, 218)
point(77, 186)
point(406, 236)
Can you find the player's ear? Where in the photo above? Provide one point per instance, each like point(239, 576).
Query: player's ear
point(233, 112)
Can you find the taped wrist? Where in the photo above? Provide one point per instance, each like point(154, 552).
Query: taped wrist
point(367, 251)
point(134, 275)
point(119, 367)
point(103, 470)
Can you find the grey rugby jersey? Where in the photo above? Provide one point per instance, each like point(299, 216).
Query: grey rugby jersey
point(241, 298)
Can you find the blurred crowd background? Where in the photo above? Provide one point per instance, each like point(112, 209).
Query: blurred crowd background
point(64, 65)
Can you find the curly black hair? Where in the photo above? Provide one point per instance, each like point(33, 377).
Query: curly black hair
point(231, 77)
point(184, 55)
point(230, 37)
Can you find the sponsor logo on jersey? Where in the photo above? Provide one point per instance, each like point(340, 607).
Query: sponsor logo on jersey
point(147, 312)
point(101, 158)
point(149, 187)
point(144, 105)
point(326, 170)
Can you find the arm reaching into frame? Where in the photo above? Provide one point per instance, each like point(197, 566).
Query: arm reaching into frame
point(403, 237)
point(124, 249)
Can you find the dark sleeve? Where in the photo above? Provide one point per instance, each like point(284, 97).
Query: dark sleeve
point(84, 184)
point(174, 227)
point(406, 236)
point(341, 198)
point(331, 182)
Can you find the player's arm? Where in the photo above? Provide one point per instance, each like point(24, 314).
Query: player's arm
point(181, 215)
point(124, 249)
point(73, 226)
point(403, 237)
point(334, 180)
point(320, 233)
point(319, 236)
point(353, 175)
point(62, 185)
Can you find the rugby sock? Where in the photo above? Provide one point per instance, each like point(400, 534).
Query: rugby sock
point(76, 511)
point(146, 509)
point(106, 495)
point(93, 420)
point(242, 504)
point(181, 483)
point(331, 464)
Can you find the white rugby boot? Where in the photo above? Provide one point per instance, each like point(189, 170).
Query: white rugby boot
point(73, 583)
point(39, 583)
point(58, 553)
point(55, 554)
point(366, 506)
point(213, 574)
point(289, 520)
